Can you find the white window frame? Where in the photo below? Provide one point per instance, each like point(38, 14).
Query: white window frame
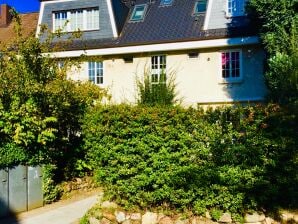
point(231, 79)
point(97, 76)
point(235, 8)
point(68, 26)
point(134, 11)
point(62, 26)
point(158, 71)
point(195, 12)
point(165, 3)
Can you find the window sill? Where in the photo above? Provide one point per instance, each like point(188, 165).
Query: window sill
point(235, 16)
point(78, 31)
point(231, 81)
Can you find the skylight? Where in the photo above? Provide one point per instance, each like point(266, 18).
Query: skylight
point(166, 2)
point(200, 6)
point(138, 13)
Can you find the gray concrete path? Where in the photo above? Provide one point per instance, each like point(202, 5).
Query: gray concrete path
point(64, 215)
point(68, 213)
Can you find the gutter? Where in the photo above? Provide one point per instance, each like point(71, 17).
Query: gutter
point(189, 45)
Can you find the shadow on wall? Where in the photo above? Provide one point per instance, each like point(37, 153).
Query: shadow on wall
point(7, 216)
point(242, 68)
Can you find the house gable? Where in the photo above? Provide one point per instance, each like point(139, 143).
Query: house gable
point(218, 15)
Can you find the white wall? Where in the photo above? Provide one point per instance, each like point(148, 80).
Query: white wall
point(198, 79)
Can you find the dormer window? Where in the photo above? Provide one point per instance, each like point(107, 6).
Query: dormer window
point(60, 21)
point(138, 13)
point(75, 20)
point(166, 2)
point(235, 8)
point(200, 7)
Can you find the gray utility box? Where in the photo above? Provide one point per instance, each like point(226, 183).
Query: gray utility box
point(20, 189)
point(3, 192)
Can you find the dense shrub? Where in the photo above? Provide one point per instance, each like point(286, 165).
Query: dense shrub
point(224, 159)
point(51, 191)
point(162, 93)
point(40, 109)
point(278, 23)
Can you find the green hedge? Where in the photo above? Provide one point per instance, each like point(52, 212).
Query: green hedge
point(225, 159)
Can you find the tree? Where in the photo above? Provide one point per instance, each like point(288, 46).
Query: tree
point(278, 21)
point(40, 109)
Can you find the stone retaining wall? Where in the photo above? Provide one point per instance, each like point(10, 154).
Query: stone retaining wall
point(110, 213)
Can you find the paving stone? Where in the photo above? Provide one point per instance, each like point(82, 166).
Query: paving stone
point(120, 216)
point(135, 216)
point(109, 216)
point(207, 215)
point(105, 221)
point(225, 218)
point(268, 220)
point(93, 220)
point(253, 223)
point(254, 217)
point(108, 204)
point(165, 220)
point(182, 221)
point(149, 218)
point(127, 221)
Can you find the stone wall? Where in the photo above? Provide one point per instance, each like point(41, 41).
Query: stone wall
point(111, 213)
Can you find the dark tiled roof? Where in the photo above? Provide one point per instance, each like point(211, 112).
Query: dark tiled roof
point(164, 24)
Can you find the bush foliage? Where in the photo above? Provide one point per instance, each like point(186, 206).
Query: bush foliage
point(162, 93)
point(40, 109)
point(226, 159)
point(278, 23)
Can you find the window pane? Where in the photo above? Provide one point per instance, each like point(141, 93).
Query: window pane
point(224, 73)
point(95, 70)
point(154, 78)
point(92, 16)
point(166, 2)
point(60, 21)
point(230, 64)
point(138, 12)
point(236, 7)
point(162, 78)
point(237, 74)
point(200, 6)
point(158, 71)
point(79, 20)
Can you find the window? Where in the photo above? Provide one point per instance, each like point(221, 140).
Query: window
point(166, 2)
point(60, 21)
point(193, 55)
point(95, 72)
point(231, 65)
point(138, 13)
point(60, 64)
point(92, 19)
point(235, 8)
point(200, 6)
point(158, 69)
point(74, 20)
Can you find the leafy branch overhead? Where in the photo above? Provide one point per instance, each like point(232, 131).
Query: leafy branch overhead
point(40, 109)
point(278, 23)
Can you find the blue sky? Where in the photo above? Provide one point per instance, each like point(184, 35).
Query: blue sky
point(23, 6)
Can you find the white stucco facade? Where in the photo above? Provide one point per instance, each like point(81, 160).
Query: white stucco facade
point(198, 79)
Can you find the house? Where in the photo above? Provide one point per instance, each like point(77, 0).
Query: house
point(209, 45)
point(7, 33)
